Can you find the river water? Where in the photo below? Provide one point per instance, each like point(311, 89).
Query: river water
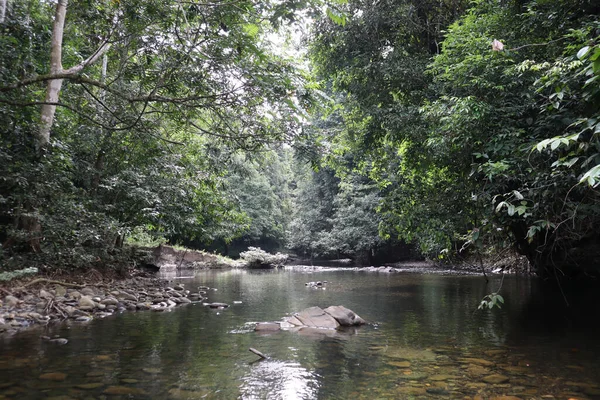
point(425, 339)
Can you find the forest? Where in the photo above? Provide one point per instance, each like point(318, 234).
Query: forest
point(327, 129)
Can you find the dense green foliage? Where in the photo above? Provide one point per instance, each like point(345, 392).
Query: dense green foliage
point(454, 125)
point(472, 146)
point(146, 139)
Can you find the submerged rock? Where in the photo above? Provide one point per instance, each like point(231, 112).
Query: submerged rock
point(54, 376)
point(124, 391)
point(90, 386)
point(495, 379)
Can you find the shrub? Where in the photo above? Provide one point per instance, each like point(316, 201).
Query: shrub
point(255, 257)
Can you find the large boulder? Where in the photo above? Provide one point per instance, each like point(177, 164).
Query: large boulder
point(344, 316)
point(313, 319)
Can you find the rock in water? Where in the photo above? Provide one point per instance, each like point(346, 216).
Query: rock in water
point(344, 316)
point(293, 320)
point(59, 341)
point(217, 305)
point(267, 327)
point(315, 317)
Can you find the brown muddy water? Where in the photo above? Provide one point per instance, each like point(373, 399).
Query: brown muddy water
point(426, 340)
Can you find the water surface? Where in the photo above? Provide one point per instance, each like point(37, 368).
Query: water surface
point(426, 339)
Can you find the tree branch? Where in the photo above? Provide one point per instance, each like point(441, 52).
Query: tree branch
point(90, 60)
point(151, 97)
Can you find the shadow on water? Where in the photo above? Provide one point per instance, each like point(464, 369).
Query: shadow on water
point(426, 338)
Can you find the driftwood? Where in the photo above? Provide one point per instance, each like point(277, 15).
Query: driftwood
point(258, 353)
point(44, 280)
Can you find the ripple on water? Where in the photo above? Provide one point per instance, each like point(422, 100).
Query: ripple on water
point(271, 379)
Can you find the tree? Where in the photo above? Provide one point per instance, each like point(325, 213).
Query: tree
point(131, 142)
point(497, 106)
point(376, 65)
point(480, 136)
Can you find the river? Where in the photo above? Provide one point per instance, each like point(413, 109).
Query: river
point(425, 339)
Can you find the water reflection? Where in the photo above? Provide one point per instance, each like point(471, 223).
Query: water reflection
point(426, 339)
point(270, 379)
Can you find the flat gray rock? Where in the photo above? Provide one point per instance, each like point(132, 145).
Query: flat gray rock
point(267, 327)
point(294, 321)
point(315, 317)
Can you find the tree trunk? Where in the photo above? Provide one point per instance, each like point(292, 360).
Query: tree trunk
point(54, 85)
point(32, 226)
point(3, 4)
point(99, 164)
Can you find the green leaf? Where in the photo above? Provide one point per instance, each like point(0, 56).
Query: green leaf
point(511, 210)
point(500, 205)
point(583, 52)
point(518, 195)
point(591, 176)
point(336, 16)
point(251, 29)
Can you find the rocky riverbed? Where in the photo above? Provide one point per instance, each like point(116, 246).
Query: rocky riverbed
point(45, 301)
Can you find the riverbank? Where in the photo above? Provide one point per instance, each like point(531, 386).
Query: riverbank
point(48, 299)
point(82, 295)
point(507, 263)
point(43, 301)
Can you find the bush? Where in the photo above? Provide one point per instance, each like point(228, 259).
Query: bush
point(255, 257)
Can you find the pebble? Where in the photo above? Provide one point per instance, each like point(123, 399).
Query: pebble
point(124, 391)
point(495, 379)
point(11, 301)
point(90, 386)
point(399, 364)
point(60, 291)
point(84, 304)
point(152, 371)
point(88, 292)
point(127, 296)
